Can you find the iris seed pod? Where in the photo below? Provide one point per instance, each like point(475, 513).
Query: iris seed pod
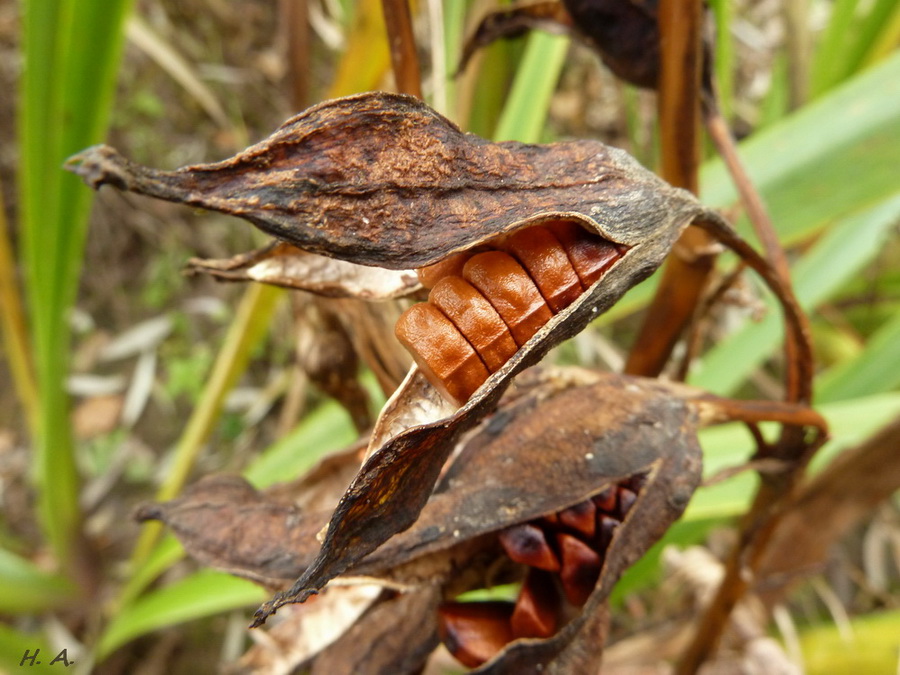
point(498, 300)
point(382, 180)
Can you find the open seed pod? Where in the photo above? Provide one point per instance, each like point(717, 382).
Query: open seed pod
point(565, 436)
point(382, 180)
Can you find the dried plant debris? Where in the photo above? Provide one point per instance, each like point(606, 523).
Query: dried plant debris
point(281, 264)
point(225, 523)
point(625, 33)
point(615, 459)
point(380, 183)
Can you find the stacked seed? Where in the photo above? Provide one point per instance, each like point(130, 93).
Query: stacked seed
point(564, 553)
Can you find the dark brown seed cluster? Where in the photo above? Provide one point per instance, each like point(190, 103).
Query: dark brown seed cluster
point(564, 553)
point(484, 305)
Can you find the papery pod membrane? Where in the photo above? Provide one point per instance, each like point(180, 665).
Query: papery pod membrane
point(281, 264)
point(381, 179)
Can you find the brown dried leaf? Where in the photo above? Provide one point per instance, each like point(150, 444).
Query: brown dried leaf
point(223, 522)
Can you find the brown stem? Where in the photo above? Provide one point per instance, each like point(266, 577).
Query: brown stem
point(295, 27)
point(768, 507)
point(798, 346)
point(404, 57)
point(687, 272)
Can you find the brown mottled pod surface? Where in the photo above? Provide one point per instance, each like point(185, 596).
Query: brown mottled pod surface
point(382, 180)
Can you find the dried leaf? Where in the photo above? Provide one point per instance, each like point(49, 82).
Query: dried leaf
point(225, 523)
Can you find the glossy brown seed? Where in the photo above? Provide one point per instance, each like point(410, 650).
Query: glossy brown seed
point(627, 498)
point(537, 610)
point(476, 319)
point(445, 356)
point(541, 253)
point(606, 527)
point(581, 518)
point(589, 254)
point(580, 568)
point(528, 545)
point(605, 500)
point(507, 286)
point(450, 266)
point(475, 631)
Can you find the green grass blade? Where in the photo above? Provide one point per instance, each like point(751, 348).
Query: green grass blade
point(71, 52)
point(828, 65)
point(867, 645)
point(828, 159)
point(876, 369)
point(250, 324)
point(326, 429)
point(877, 22)
point(27, 589)
point(165, 554)
point(525, 112)
point(203, 594)
point(819, 274)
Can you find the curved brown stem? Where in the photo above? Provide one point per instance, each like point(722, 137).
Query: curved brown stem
point(798, 345)
point(687, 272)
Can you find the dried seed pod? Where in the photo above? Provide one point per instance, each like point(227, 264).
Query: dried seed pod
point(528, 545)
point(382, 180)
point(537, 611)
point(499, 299)
point(475, 631)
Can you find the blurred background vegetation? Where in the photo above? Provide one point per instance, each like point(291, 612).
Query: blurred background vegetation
point(123, 380)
